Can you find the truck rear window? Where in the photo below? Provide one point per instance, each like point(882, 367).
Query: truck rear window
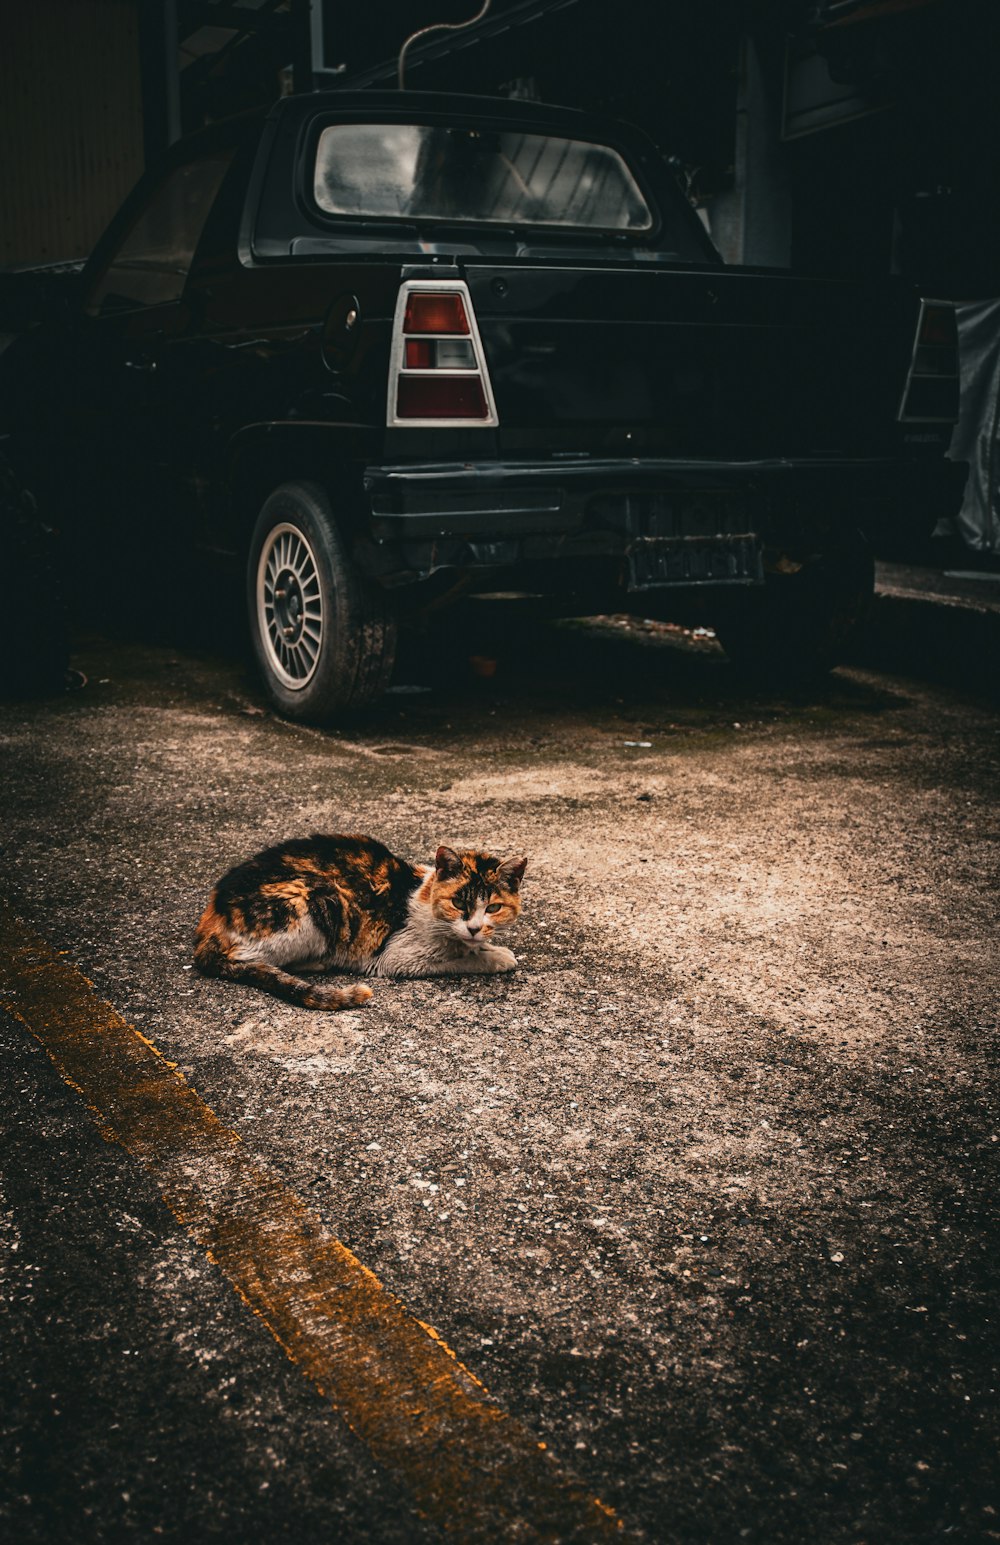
point(418, 172)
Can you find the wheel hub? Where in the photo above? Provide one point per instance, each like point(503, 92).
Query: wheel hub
point(289, 608)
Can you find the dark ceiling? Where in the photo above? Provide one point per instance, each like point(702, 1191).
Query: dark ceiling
point(670, 66)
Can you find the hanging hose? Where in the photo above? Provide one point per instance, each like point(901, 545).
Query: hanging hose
point(440, 26)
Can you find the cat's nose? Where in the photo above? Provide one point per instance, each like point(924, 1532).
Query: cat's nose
point(473, 929)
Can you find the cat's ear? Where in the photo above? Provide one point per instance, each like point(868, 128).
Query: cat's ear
point(447, 863)
point(511, 872)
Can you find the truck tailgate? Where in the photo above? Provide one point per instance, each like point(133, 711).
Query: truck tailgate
point(720, 363)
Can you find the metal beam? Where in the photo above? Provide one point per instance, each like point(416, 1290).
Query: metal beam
point(193, 14)
point(161, 106)
point(271, 12)
point(303, 59)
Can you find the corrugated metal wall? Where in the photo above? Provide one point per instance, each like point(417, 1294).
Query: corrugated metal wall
point(70, 123)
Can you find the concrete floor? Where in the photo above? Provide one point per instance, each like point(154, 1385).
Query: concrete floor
point(705, 1194)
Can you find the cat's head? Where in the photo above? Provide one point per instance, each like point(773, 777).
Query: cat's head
point(474, 894)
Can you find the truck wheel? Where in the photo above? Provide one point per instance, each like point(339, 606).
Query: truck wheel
point(324, 637)
point(801, 624)
point(34, 639)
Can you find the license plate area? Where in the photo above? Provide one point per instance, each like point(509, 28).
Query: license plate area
point(718, 560)
point(685, 537)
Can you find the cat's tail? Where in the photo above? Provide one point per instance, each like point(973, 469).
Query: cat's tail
point(217, 953)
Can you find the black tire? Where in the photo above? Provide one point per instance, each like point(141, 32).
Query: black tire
point(323, 636)
point(801, 624)
point(34, 638)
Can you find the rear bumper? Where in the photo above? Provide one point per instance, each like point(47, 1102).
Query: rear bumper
point(655, 522)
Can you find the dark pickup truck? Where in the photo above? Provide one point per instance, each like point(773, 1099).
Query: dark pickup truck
point(389, 349)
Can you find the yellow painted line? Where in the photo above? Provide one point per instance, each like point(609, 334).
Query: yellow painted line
point(469, 1467)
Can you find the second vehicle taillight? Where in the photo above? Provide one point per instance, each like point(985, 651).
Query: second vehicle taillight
point(437, 374)
point(931, 391)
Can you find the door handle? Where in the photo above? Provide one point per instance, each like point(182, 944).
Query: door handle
point(143, 364)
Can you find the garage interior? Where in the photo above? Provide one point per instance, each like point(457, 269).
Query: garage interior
point(826, 135)
point(835, 137)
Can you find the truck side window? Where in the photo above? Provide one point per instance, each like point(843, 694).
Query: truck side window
point(151, 266)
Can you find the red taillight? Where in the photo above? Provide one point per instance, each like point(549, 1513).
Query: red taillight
point(441, 397)
point(438, 373)
point(937, 325)
point(931, 390)
point(430, 313)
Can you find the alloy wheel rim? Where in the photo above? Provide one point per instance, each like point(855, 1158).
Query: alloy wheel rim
point(290, 606)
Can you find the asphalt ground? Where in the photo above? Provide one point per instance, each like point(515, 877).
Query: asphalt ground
point(703, 1198)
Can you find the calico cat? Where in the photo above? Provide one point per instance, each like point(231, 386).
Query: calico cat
point(347, 904)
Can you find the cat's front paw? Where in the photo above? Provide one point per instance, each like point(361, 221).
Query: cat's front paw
point(499, 958)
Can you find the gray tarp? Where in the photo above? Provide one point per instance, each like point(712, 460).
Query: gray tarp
point(976, 434)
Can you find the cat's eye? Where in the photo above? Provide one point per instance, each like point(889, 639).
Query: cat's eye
point(494, 906)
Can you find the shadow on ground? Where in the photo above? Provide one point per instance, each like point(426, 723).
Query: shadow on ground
point(484, 659)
